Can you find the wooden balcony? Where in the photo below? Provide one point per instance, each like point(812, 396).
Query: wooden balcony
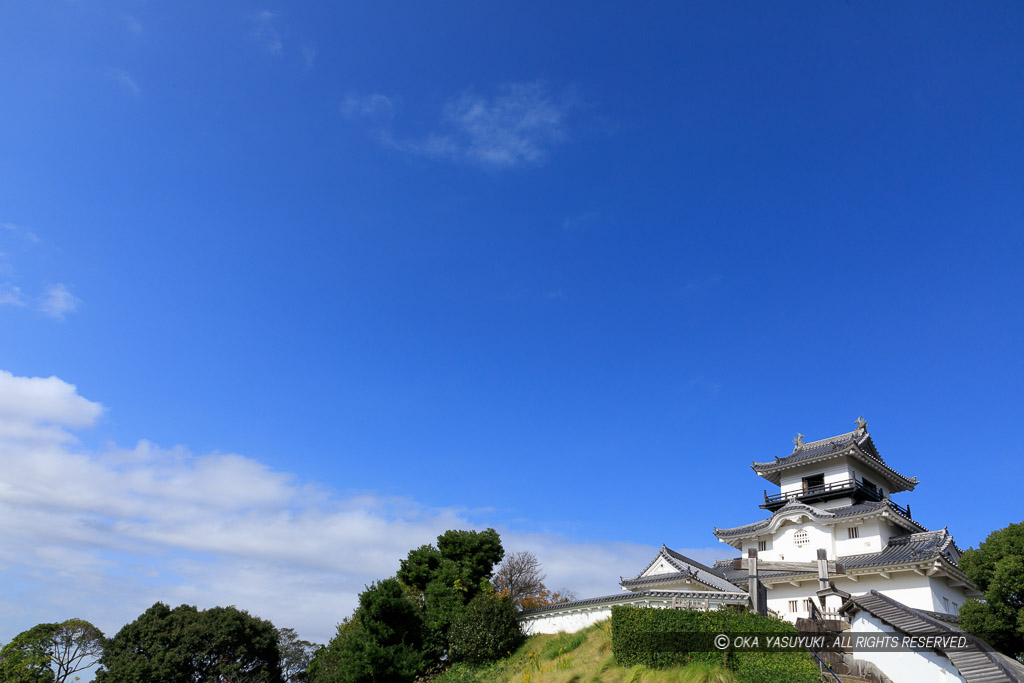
point(852, 487)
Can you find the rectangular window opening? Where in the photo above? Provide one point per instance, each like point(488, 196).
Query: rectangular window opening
point(853, 532)
point(815, 482)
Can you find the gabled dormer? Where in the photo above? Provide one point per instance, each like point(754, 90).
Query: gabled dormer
point(837, 471)
point(670, 570)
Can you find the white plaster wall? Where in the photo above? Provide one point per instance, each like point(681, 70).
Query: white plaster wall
point(573, 619)
point(871, 538)
point(834, 470)
point(779, 596)
point(924, 666)
point(942, 589)
point(911, 589)
point(784, 545)
point(568, 622)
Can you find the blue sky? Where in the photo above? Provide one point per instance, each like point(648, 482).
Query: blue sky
point(315, 282)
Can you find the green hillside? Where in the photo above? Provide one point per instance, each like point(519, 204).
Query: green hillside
point(579, 657)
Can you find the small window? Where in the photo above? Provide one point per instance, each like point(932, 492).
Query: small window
point(853, 532)
point(762, 546)
point(792, 605)
point(945, 603)
point(801, 538)
point(808, 605)
point(814, 483)
point(956, 608)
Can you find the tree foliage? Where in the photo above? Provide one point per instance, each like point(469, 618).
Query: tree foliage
point(486, 629)
point(296, 655)
point(446, 577)
point(383, 641)
point(405, 626)
point(519, 576)
point(997, 569)
point(187, 645)
point(51, 652)
point(26, 659)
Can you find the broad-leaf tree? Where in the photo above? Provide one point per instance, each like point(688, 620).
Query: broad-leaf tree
point(296, 654)
point(383, 641)
point(997, 569)
point(51, 652)
point(186, 645)
point(520, 578)
point(26, 659)
point(446, 577)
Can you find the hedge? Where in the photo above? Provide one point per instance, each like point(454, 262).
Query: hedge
point(660, 638)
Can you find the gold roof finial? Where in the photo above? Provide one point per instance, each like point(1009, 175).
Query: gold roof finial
point(799, 440)
point(862, 424)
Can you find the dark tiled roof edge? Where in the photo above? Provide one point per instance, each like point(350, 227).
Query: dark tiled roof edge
point(819, 514)
point(876, 603)
point(626, 596)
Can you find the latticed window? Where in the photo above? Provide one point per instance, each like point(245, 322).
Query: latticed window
point(762, 546)
point(792, 605)
point(801, 538)
point(853, 532)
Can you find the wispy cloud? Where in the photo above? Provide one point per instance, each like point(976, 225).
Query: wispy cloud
point(518, 126)
point(125, 80)
point(309, 54)
point(104, 533)
point(58, 301)
point(11, 295)
point(265, 32)
point(372, 105)
point(132, 24)
point(700, 285)
point(20, 231)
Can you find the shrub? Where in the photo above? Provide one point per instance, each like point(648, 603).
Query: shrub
point(487, 628)
point(667, 637)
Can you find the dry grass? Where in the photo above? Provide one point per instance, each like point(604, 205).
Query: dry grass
point(578, 658)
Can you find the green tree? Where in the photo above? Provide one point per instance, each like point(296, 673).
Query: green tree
point(186, 645)
point(446, 577)
point(383, 641)
point(486, 629)
point(997, 569)
point(26, 659)
point(296, 655)
point(64, 649)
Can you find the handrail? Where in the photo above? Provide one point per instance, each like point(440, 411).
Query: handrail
point(851, 483)
point(821, 663)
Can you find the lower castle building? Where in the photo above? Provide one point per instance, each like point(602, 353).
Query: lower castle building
point(831, 500)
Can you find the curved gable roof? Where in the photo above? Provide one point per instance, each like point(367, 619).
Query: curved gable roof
point(857, 443)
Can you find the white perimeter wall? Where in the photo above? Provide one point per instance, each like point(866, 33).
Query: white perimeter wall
point(910, 588)
point(925, 666)
point(573, 619)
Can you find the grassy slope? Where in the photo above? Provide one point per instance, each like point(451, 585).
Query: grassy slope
point(575, 658)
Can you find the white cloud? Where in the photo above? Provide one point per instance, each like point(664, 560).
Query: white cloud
point(372, 105)
point(102, 534)
point(265, 32)
point(10, 295)
point(58, 301)
point(516, 127)
point(125, 80)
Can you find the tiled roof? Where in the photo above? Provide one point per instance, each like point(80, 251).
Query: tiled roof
point(685, 569)
point(927, 545)
point(819, 514)
point(626, 596)
point(910, 548)
point(858, 438)
point(977, 665)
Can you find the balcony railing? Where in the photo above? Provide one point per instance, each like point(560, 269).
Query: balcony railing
point(852, 487)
